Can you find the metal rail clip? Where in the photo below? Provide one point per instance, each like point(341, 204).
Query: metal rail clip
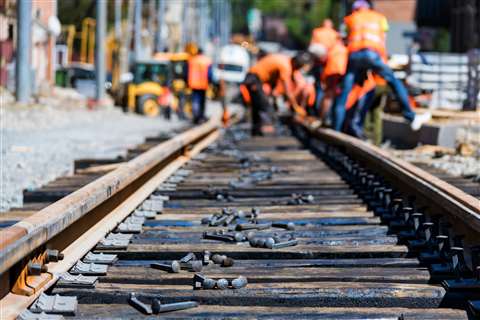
point(89, 269)
point(147, 214)
point(100, 258)
point(152, 205)
point(29, 315)
point(67, 280)
point(55, 304)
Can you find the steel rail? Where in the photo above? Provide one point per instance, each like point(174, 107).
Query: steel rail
point(462, 205)
point(21, 239)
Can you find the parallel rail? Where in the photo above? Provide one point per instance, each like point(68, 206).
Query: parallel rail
point(346, 262)
point(78, 221)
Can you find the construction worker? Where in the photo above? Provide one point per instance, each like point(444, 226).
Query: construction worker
point(323, 39)
point(332, 75)
point(366, 42)
point(199, 76)
point(273, 69)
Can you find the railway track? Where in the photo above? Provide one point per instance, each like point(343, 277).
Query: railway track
point(315, 225)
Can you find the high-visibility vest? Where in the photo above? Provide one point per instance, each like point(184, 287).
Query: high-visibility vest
point(324, 36)
point(366, 30)
point(337, 61)
point(198, 72)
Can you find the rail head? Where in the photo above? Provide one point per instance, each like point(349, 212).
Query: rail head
point(460, 204)
point(23, 238)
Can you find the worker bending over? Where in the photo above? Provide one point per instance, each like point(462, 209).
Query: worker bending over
point(323, 39)
point(273, 69)
point(366, 42)
point(199, 77)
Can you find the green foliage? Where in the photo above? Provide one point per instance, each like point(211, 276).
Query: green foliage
point(300, 16)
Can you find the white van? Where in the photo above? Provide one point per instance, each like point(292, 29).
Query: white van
point(233, 64)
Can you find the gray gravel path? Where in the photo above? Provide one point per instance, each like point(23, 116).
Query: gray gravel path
point(39, 143)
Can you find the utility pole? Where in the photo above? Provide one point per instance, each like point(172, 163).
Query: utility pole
point(137, 32)
point(158, 35)
point(101, 27)
point(118, 19)
point(24, 42)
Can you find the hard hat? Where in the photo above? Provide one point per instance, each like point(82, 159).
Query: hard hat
point(359, 4)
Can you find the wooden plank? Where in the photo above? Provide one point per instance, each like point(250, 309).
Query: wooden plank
point(123, 310)
point(292, 294)
point(245, 251)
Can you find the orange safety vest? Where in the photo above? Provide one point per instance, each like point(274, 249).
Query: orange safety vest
point(198, 72)
point(324, 36)
point(337, 61)
point(366, 30)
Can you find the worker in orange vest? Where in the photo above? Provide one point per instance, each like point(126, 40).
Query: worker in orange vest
point(273, 69)
point(323, 39)
point(366, 42)
point(333, 73)
point(199, 76)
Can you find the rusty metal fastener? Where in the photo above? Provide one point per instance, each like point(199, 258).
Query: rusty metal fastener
point(288, 243)
point(139, 305)
point(222, 284)
point(174, 267)
point(157, 307)
point(239, 282)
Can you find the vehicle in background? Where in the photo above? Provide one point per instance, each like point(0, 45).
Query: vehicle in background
point(146, 89)
point(233, 64)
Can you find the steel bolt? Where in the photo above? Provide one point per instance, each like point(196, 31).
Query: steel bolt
point(239, 282)
point(287, 226)
point(285, 244)
point(269, 242)
point(157, 307)
point(53, 255)
point(222, 284)
point(174, 267)
point(194, 265)
point(36, 269)
point(209, 283)
point(217, 259)
point(189, 257)
point(239, 237)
